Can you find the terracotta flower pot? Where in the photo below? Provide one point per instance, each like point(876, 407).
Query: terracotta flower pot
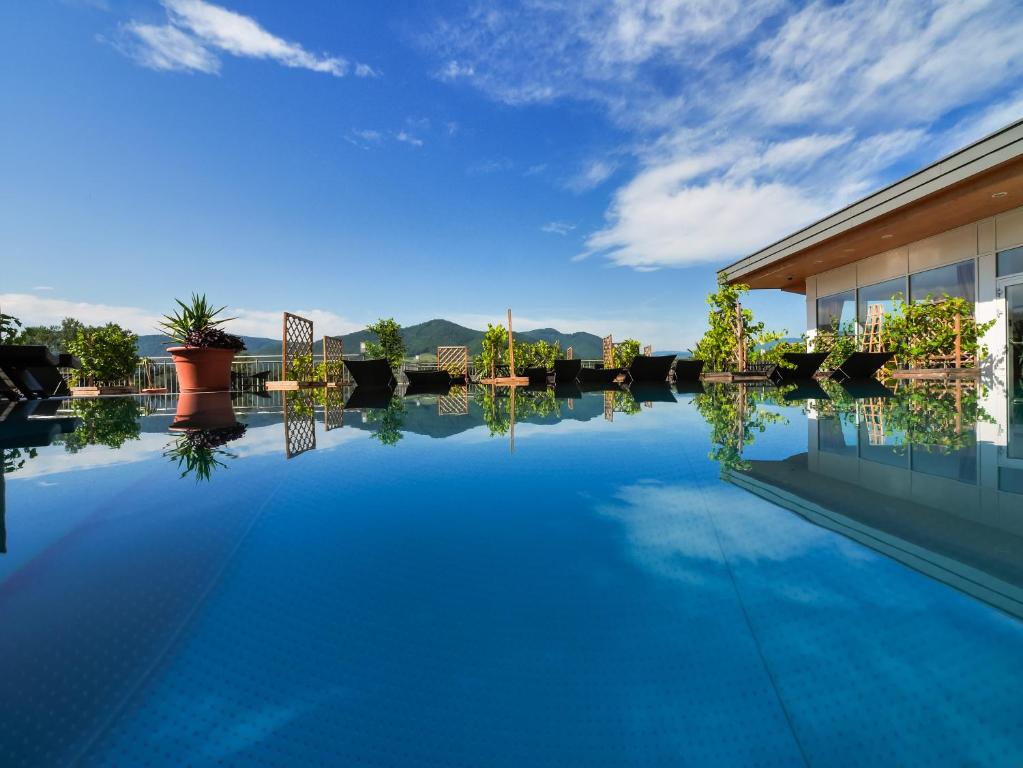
point(202, 369)
point(204, 410)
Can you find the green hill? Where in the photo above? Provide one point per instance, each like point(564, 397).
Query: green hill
point(420, 339)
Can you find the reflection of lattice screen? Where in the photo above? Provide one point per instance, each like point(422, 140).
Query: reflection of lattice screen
point(454, 360)
point(648, 350)
point(299, 425)
point(297, 352)
point(333, 410)
point(454, 403)
point(609, 406)
point(873, 415)
point(569, 353)
point(333, 355)
point(609, 352)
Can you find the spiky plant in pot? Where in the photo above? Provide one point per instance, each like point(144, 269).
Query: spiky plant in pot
point(203, 351)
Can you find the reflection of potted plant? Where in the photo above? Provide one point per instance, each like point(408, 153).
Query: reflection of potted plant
point(203, 358)
point(209, 410)
point(197, 451)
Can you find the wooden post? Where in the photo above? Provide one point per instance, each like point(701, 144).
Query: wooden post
point(511, 348)
point(959, 340)
point(740, 338)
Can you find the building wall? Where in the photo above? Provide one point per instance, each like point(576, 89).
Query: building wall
point(980, 241)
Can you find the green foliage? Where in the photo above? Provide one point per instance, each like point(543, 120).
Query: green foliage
point(55, 337)
point(919, 331)
point(496, 405)
point(625, 352)
point(538, 354)
point(495, 350)
point(107, 353)
point(9, 326)
point(302, 368)
point(109, 422)
point(15, 458)
point(389, 343)
point(935, 416)
point(735, 420)
point(198, 452)
point(719, 347)
point(388, 421)
point(839, 342)
point(196, 325)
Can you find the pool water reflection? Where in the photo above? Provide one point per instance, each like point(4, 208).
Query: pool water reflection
point(728, 576)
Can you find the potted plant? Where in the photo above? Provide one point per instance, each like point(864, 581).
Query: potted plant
point(198, 451)
point(203, 351)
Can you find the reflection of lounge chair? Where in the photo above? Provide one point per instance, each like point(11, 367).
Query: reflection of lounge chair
point(806, 365)
point(537, 376)
point(428, 382)
point(249, 382)
point(684, 387)
point(566, 371)
point(31, 425)
point(599, 375)
point(806, 389)
point(370, 397)
point(33, 371)
point(599, 386)
point(371, 373)
point(688, 370)
point(861, 365)
point(569, 391)
point(652, 392)
point(651, 367)
point(866, 388)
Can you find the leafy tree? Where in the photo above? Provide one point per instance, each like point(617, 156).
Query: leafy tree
point(538, 354)
point(389, 421)
point(625, 352)
point(839, 342)
point(719, 347)
point(495, 350)
point(735, 420)
point(55, 337)
point(8, 328)
point(389, 343)
point(923, 330)
point(108, 353)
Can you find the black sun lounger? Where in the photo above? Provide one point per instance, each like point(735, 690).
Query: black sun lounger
point(567, 371)
point(866, 389)
point(688, 370)
point(570, 391)
point(537, 376)
point(805, 389)
point(807, 364)
point(600, 386)
point(429, 380)
point(371, 373)
point(861, 365)
point(370, 397)
point(599, 375)
point(684, 387)
point(651, 367)
point(652, 392)
point(32, 370)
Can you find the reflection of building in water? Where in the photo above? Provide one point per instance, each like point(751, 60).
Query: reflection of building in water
point(953, 512)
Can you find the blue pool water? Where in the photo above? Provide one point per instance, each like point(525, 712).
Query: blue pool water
point(614, 584)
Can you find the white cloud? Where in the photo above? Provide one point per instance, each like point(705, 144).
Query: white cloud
point(368, 134)
point(492, 165)
point(42, 287)
point(38, 310)
point(407, 138)
point(745, 120)
point(557, 227)
point(197, 31)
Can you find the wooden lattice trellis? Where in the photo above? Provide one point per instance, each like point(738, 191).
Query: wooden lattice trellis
point(608, 352)
point(454, 403)
point(648, 350)
point(873, 416)
point(872, 341)
point(333, 359)
point(333, 409)
point(299, 425)
point(609, 406)
point(297, 368)
point(569, 353)
point(454, 360)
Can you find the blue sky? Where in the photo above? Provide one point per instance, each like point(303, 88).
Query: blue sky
point(590, 164)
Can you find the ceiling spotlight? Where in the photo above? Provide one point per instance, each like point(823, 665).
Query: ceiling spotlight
point(818, 261)
point(1000, 194)
point(848, 250)
point(887, 237)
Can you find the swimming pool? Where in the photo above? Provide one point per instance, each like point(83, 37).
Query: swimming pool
point(725, 577)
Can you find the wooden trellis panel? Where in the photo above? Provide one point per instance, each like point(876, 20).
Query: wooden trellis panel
point(609, 352)
point(872, 341)
point(333, 409)
point(648, 350)
point(333, 359)
point(873, 415)
point(569, 353)
point(299, 425)
point(298, 346)
point(454, 403)
point(454, 360)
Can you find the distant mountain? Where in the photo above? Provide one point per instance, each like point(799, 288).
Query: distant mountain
point(423, 338)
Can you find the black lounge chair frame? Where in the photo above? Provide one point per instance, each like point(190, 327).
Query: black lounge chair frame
point(651, 368)
point(567, 371)
point(428, 382)
point(806, 365)
point(32, 371)
point(599, 375)
point(688, 369)
point(861, 365)
point(371, 373)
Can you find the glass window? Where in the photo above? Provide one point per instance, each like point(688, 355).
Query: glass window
point(885, 294)
point(954, 463)
point(1010, 262)
point(838, 309)
point(954, 280)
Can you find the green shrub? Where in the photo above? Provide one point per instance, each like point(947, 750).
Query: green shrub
point(108, 353)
